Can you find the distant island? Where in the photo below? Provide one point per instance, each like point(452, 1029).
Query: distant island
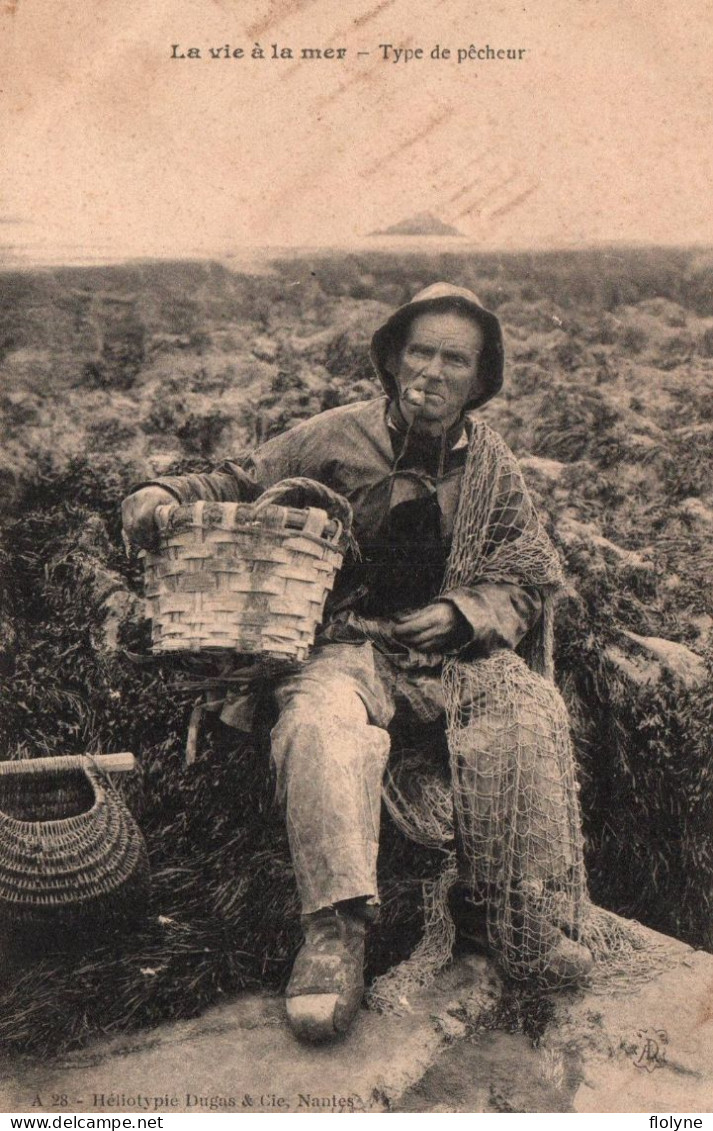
point(422, 224)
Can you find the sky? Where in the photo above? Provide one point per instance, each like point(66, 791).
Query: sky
point(600, 132)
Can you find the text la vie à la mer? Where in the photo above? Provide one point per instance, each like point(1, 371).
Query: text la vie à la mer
point(274, 51)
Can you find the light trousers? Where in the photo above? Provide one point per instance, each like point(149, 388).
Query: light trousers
point(330, 746)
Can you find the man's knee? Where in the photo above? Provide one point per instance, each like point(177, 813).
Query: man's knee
point(507, 711)
point(505, 685)
point(318, 702)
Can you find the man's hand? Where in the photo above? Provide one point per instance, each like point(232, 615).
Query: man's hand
point(435, 628)
point(137, 516)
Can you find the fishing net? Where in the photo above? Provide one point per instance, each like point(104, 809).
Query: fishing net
point(519, 845)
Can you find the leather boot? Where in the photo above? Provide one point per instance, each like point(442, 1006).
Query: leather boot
point(554, 958)
point(327, 982)
point(563, 961)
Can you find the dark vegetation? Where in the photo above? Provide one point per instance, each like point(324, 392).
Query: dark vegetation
point(110, 375)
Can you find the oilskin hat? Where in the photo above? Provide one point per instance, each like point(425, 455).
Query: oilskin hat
point(388, 339)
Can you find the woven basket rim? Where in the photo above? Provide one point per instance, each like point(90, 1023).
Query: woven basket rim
point(67, 823)
point(249, 525)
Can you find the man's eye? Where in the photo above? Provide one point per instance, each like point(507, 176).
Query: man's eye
point(419, 351)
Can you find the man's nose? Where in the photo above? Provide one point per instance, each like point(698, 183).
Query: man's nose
point(433, 366)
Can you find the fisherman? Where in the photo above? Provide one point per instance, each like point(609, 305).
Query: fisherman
point(447, 613)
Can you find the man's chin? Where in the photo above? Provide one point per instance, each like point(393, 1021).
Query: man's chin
point(433, 423)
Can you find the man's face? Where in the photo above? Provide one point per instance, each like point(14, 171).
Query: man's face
point(437, 367)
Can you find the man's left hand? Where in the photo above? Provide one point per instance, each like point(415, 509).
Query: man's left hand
point(438, 627)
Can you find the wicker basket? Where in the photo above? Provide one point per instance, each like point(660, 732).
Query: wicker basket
point(250, 578)
point(71, 854)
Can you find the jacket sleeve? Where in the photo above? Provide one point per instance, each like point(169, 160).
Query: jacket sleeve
point(241, 480)
point(498, 613)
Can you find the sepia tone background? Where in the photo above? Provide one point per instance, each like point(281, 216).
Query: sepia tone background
point(110, 147)
point(187, 268)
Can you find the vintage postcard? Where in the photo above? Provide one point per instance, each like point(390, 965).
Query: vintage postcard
point(385, 789)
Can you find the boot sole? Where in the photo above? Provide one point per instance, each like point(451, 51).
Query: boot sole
point(311, 1017)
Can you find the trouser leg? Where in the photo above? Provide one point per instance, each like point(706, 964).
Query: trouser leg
point(330, 747)
point(515, 791)
point(515, 796)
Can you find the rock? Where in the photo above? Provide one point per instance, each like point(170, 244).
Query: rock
point(572, 532)
point(237, 1057)
point(648, 1050)
point(315, 345)
point(668, 311)
point(162, 462)
point(638, 669)
point(680, 661)
point(450, 1028)
point(643, 1046)
point(697, 513)
point(265, 349)
point(541, 468)
point(703, 624)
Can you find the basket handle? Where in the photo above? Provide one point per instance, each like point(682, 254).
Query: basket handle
point(111, 763)
point(301, 492)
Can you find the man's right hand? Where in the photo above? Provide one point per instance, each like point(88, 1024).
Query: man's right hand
point(137, 516)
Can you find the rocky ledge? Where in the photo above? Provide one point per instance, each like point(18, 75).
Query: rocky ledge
point(464, 1045)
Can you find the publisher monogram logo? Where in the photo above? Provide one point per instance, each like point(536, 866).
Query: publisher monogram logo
point(650, 1049)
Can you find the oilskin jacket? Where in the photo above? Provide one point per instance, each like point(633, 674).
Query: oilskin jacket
point(403, 489)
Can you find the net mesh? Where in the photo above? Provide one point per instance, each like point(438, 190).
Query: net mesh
point(513, 781)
